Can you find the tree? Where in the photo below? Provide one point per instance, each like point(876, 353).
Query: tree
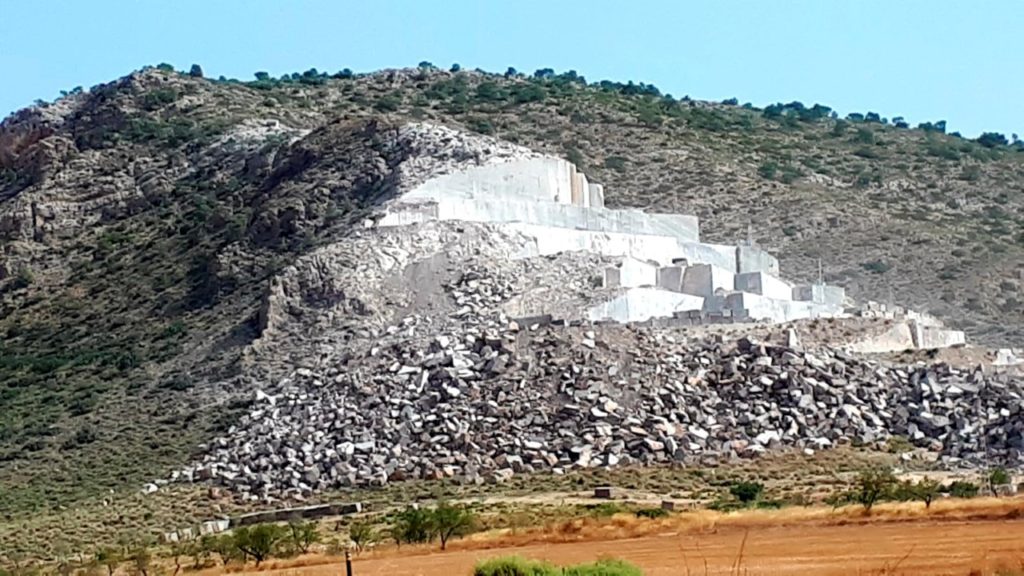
point(196, 71)
point(927, 490)
point(449, 520)
point(412, 526)
point(110, 558)
point(223, 546)
point(258, 541)
point(426, 65)
point(302, 535)
point(992, 139)
point(746, 492)
point(362, 534)
point(872, 486)
point(511, 72)
point(262, 76)
point(455, 68)
point(178, 549)
point(165, 67)
point(997, 477)
point(141, 558)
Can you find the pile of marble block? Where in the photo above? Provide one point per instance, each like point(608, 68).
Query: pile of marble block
point(653, 291)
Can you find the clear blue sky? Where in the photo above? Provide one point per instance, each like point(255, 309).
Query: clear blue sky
point(925, 60)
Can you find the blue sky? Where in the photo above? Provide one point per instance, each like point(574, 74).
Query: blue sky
point(924, 60)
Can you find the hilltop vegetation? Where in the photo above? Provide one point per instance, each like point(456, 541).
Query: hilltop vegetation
point(127, 300)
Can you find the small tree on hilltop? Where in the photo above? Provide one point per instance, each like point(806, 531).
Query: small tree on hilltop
point(451, 521)
point(196, 71)
point(872, 486)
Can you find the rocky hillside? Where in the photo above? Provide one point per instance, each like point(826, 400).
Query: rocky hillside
point(146, 223)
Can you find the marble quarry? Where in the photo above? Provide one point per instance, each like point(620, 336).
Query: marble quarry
point(665, 270)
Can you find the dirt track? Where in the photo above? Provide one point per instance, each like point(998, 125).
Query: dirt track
point(942, 548)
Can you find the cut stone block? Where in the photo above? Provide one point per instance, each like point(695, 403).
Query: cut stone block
point(753, 259)
point(642, 304)
point(764, 284)
point(757, 307)
point(671, 278)
point(596, 195)
point(705, 279)
point(928, 337)
point(820, 293)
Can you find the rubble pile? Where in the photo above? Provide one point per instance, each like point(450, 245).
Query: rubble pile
point(480, 397)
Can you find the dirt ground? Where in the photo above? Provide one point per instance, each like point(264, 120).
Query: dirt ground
point(932, 548)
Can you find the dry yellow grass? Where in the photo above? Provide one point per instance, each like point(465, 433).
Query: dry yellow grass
point(622, 527)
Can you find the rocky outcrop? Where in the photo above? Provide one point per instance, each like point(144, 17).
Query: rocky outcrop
point(477, 396)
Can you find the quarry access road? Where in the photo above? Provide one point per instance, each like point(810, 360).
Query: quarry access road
point(934, 548)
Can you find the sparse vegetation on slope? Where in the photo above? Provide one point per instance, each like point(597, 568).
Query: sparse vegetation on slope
point(123, 318)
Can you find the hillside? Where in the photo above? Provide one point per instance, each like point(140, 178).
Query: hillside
point(142, 222)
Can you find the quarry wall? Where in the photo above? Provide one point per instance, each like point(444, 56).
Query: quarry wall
point(665, 266)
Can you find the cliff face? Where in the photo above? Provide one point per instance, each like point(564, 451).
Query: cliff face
point(149, 225)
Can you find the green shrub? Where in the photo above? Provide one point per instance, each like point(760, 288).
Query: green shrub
point(606, 509)
point(388, 103)
point(514, 566)
point(652, 513)
point(746, 492)
point(877, 266)
point(617, 163)
point(413, 526)
point(962, 489)
point(609, 567)
point(768, 170)
point(517, 566)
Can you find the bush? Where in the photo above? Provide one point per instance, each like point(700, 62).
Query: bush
point(413, 526)
point(768, 170)
point(962, 489)
point(992, 139)
point(746, 492)
point(652, 513)
point(23, 278)
point(617, 163)
point(607, 567)
point(514, 566)
point(517, 566)
point(877, 266)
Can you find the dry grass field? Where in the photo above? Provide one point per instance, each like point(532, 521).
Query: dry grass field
point(982, 536)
